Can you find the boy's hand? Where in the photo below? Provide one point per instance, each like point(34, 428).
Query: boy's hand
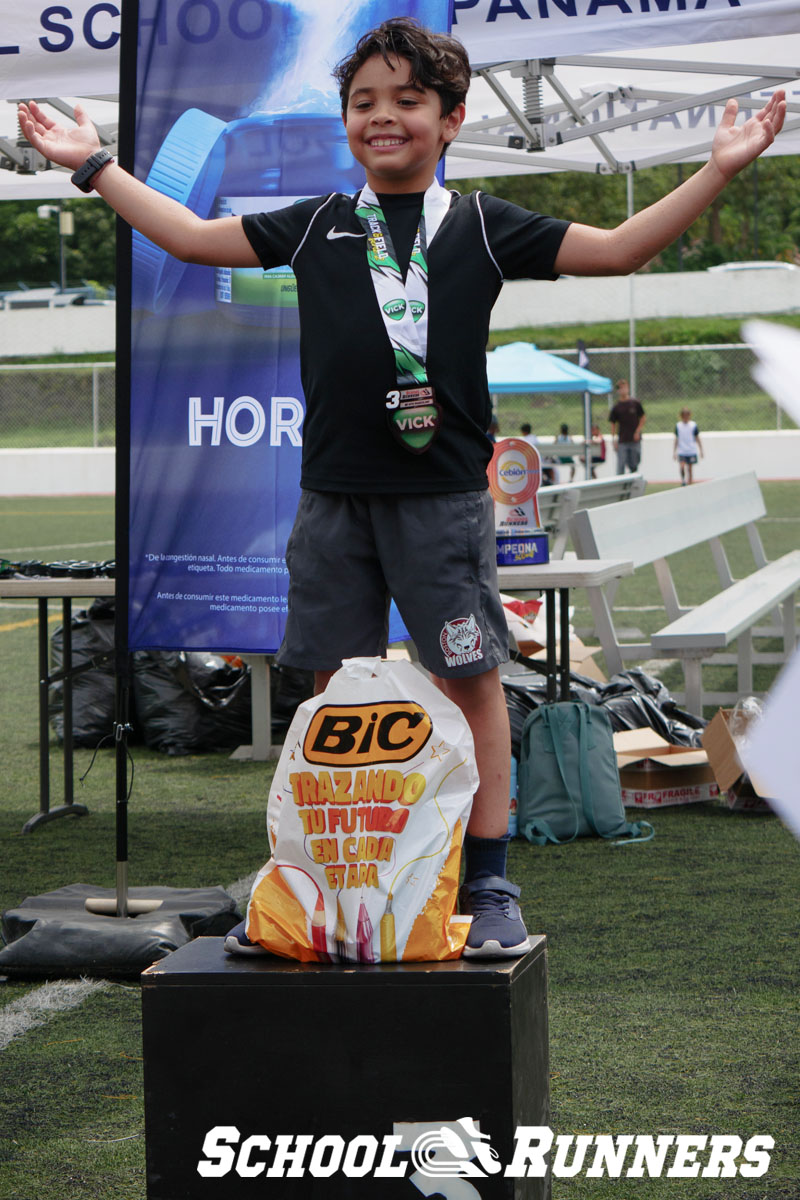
point(735, 146)
point(68, 147)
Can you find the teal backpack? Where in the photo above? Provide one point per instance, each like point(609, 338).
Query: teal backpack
point(569, 780)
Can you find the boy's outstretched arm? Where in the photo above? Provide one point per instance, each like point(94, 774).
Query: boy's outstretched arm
point(169, 224)
point(587, 250)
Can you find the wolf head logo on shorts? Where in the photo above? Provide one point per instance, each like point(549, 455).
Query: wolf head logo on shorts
point(460, 640)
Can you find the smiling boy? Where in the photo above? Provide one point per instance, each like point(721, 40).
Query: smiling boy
point(395, 290)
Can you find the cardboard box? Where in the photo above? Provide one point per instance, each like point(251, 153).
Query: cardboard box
point(655, 774)
point(529, 633)
point(739, 790)
point(581, 658)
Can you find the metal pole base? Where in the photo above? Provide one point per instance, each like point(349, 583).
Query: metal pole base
point(120, 905)
point(63, 810)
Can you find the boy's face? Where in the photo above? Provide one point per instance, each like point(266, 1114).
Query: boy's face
point(395, 128)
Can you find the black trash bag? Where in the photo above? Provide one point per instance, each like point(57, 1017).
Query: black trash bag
point(651, 705)
point(638, 680)
point(92, 689)
point(635, 711)
point(527, 690)
point(519, 704)
point(188, 701)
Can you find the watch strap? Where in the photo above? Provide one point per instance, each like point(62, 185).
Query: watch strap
point(82, 178)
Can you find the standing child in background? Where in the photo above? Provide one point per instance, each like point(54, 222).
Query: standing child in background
point(686, 447)
point(627, 419)
point(378, 518)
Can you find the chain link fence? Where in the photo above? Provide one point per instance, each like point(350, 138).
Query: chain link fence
point(713, 381)
point(68, 404)
point(72, 404)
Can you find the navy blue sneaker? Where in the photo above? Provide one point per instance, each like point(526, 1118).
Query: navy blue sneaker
point(237, 942)
point(497, 929)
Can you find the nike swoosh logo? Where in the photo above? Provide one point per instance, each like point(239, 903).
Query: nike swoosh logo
point(336, 233)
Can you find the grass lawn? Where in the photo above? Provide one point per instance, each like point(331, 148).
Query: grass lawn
point(546, 412)
point(64, 434)
point(674, 1003)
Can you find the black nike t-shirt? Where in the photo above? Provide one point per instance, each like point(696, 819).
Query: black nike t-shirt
point(347, 364)
point(402, 211)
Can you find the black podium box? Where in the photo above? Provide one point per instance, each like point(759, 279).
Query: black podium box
point(266, 1077)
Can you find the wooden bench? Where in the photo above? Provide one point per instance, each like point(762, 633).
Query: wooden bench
point(651, 528)
point(559, 501)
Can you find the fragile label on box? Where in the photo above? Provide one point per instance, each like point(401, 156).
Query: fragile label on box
point(742, 798)
point(664, 797)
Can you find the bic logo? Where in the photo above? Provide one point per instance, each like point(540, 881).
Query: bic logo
point(360, 734)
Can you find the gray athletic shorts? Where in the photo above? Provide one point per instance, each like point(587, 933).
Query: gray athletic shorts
point(435, 555)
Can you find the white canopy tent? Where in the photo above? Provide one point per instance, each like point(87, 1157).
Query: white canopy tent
point(620, 113)
point(523, 367)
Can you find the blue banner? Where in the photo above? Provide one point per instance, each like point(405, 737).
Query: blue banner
point(236, 112)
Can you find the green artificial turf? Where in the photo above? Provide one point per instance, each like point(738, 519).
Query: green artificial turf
point(673, 964)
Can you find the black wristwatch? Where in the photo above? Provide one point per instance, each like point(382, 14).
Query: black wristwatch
point(85, 174)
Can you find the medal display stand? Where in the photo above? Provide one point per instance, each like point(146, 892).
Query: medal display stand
point(515, 473)
point(338, 1059)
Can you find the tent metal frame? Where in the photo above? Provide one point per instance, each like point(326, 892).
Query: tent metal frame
point(523, 134)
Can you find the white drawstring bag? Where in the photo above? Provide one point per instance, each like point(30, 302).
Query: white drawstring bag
point(366, 818)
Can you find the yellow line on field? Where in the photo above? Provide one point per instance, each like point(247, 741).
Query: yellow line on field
point(26, 624)
point(53, 512)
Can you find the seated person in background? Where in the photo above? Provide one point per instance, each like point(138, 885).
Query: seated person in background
point(598, 449)
point(527, 435)
point(566, 459)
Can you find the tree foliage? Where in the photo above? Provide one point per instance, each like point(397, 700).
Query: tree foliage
point(31, 244)
point(756, 217)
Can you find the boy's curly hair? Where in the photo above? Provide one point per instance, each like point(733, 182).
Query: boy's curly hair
point(437, 61)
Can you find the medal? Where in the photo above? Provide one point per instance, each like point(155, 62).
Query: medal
point(413, 415)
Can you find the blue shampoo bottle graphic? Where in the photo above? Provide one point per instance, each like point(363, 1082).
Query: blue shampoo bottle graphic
point(254, 164)
point(289, 156)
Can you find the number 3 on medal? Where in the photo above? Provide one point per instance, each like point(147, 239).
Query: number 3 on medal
point(392, 399)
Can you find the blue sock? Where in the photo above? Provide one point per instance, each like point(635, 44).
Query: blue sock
point(485, 856)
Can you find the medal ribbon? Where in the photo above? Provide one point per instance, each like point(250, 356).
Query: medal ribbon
point(403, 304)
